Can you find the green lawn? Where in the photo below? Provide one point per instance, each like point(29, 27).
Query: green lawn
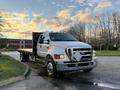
point(108, 52)
point(10, 67)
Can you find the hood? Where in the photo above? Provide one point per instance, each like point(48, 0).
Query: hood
point(71, 44)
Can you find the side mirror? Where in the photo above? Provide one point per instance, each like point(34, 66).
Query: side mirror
point(46, 41)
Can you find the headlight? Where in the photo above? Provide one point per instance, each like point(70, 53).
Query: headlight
point(94, 53)
point(59, 56)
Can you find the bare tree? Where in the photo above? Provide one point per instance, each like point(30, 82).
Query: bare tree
point(116, 28)
point(1, 25)
point(78, 30)
point(105, 33)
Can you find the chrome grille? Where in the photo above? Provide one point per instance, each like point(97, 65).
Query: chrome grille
point(85, 52)
point(81, 49)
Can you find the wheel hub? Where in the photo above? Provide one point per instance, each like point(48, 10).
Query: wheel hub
point(50, 69)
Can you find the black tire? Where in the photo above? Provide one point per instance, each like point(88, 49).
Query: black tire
point(24, 57)
point(88, 70)
point(51, 72)
point(33, 58)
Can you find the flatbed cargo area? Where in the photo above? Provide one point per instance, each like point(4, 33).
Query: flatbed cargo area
point(24, 54)
point(25, 50)
point(27, 53)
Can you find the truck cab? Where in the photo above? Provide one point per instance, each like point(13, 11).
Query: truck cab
point(62, 52)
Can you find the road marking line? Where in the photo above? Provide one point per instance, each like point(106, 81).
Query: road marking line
point(108, 85)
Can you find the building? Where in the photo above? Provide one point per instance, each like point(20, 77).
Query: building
point(15, 43)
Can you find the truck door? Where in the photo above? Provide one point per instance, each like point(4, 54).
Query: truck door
point(42, 47)
point(39, 45)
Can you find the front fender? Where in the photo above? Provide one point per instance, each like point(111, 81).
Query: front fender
point(55, 50)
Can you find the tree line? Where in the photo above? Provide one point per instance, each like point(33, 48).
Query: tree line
point(103, 34)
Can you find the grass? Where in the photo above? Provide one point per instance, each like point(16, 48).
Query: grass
point(108, 52)
point(10, 67)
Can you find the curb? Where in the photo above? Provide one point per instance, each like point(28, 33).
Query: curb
point(15, 79)
point(27, 71)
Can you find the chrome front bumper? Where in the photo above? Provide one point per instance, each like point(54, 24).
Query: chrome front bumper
point(75, 66)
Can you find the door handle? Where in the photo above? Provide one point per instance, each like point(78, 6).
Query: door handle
point(47, 47)
point(40, 46)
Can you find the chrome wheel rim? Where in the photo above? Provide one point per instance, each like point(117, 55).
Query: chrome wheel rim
point(50, 69)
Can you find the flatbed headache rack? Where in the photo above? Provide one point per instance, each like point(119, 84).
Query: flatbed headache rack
point(25, 53)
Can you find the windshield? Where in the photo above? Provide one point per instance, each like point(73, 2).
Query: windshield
point(62, 37)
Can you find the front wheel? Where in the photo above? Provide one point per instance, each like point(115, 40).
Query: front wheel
point(51, 69)
point(88, 70)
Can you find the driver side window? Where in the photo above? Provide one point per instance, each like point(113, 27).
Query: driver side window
point(41, 39)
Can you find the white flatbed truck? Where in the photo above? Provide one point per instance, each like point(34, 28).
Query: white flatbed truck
point(60, 52)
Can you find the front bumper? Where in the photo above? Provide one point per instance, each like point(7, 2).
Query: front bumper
point(75, 66)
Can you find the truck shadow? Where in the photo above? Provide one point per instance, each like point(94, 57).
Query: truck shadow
point(74, 78)
point(70, 80)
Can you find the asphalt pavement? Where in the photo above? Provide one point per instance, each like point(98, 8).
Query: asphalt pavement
point(106, 76)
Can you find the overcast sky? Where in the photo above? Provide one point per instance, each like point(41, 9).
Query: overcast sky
point(24, 16)
point(51, 7)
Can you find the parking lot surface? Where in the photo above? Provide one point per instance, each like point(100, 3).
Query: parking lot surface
point(106, 76)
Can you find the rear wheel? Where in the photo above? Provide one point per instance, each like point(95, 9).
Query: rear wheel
point(88, 70)
point(24, 57)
